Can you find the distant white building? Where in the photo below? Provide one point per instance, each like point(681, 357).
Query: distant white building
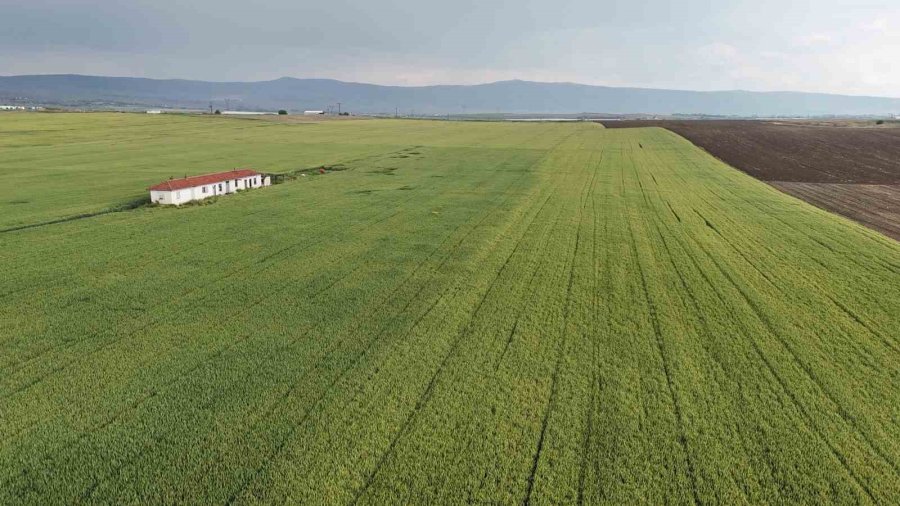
point(12, 108)
point(180, 191)
point(154, 111)
point(313, 113)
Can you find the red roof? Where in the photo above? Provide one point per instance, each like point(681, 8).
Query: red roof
point(190, 182)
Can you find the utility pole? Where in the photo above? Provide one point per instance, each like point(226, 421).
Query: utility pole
point(210, 107)
point(339, 108)
point(396, 112)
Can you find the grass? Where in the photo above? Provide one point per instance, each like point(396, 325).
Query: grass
point(533, 313)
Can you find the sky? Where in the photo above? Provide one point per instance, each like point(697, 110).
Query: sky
point(832, 46)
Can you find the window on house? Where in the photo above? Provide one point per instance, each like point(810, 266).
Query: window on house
point(204, 189)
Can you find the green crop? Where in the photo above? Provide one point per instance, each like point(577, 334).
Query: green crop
point(467, 312)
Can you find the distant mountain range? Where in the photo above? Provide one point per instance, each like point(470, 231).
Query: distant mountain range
point(512, 97)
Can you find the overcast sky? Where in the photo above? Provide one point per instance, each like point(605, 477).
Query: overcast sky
point(837, 46)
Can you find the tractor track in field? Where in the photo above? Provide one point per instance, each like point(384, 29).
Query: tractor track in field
point(537, 269)
point(210, 358)
point(68, 219)
point(689, 296)
point(541, 240)
point(180, 298)
point(142, 203)
point(426, 395)
point(805, 233)
point(660, 348)
point(835, 302)
point(801, 231)
point(198, 247)
point(59, 281)
point(153, 321)
point(796, 402)
point(215, 353)
point(766, 320)
point(563, 340)
point(286, 283)
point(365, 351)
point(791, 226)
point(806, 161)
point(307, 331)
point(595, 376)
point(807, 418)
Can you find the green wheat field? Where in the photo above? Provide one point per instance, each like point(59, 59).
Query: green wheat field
point(456, 312)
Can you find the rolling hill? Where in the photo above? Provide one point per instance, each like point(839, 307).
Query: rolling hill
point(505, 96)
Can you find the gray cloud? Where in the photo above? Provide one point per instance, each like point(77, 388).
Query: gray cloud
point(827, 45)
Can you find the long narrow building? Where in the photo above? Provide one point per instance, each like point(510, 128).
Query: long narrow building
point(181, 191)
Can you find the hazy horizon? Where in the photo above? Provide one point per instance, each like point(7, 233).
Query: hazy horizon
point(831, 46)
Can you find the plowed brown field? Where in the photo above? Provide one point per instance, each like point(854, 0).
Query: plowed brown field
point(854, 172)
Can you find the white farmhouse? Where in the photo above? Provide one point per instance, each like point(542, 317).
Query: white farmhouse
point(179, 191)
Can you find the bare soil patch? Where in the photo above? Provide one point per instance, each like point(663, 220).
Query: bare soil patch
point(844, 168)
point(794, 151)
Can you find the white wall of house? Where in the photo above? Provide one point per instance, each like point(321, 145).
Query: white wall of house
point(161, 197)
point(183, 196)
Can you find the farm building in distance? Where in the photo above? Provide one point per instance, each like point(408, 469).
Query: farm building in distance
point(180, 191)
point(313, 113)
